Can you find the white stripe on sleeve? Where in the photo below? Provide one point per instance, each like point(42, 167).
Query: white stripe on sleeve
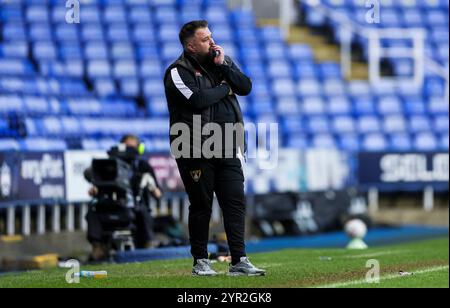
point(180, 84)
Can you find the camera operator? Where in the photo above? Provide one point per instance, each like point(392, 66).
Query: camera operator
point(144, 186)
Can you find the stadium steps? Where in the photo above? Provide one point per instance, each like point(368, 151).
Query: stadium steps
point(324, 51)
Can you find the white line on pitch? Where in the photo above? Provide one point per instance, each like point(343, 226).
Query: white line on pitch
point(388, 277)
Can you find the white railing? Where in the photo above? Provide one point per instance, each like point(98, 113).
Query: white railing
point(349, 29)
point(31, 218)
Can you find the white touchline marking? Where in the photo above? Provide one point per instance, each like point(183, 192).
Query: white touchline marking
point(376, 254)
point(388, 277)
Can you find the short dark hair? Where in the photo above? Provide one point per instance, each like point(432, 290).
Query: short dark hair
point(189, 29)
point(127, 137)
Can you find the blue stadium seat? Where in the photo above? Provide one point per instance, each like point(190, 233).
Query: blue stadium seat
point(318, 125)
point(413, 18)
point(333, 87)
point(139, 14)
point(15, 67)
point(394, 124)
point(313, 106)
point(287, 106)
point(439, 35)
point(150, 68)
point(9, 145)
point(40, 32)
point(271, 34)
point(403, 67)
point(41, 144)
point(261, 90)
point(275, 51)
point(11, 104)
point(408, 89)
point(153, 87)
point(14, 31)
point(441, 124)
point(309, 87)
point(343, 125)
point(444, 142)
point(315, 18)
point(363, 105)
point(349, 142)
point(36, 105)
point(297, 141)
point(37, 14)
point(105, 87)
point(92, 32)
point(283, 87)
point(44, 51)
point(279, 69)
point(78, 107)
point(264, 106)
point(125, 69)
point(122, 51)
point(368, 124)
point(157, 106)
point(389, 105)
point(51, 126)
point(91, 145)
point(171, 51)
point(323, 141)
point(390, 19)
point(384, 89)
point(129, 87)
point(11, 13)
point(90, 14)
point(143, 32)
point(118, 33)
point(359, 88)
point(329, 70)
point(70, 126)
point(98, 68)
point(58, 14)
point(425, 142)
point(339, 105)
point(292, 125)
point(437, 18)
point(106, 144)
point(166, 14)
point(300, 52)
point(413, 105)
point(438, 105)
point(114, 14)
point(15, 49)
point(305, 70)
point(419, 124)
point(400, 142)
point(247, 38)
point(70, 51)
point(434, 86)
point(67, 33)
point(374, 143)
point(148, 51)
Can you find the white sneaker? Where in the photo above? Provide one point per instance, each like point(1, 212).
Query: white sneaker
point(203, 268)
point(245, 268)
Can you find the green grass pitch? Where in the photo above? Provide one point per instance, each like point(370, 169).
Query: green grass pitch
point(427, 260)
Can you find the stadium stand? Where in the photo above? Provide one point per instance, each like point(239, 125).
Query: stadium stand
point(61, 82)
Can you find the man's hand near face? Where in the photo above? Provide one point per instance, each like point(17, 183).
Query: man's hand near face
point(221, 58)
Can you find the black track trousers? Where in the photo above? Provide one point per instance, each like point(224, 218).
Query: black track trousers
point(203, 177)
